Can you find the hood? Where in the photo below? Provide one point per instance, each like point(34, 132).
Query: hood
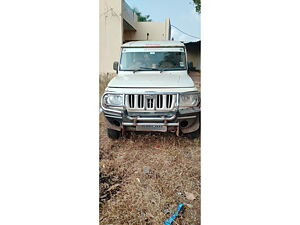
point(148, 79)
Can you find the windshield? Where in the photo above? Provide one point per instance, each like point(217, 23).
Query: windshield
point(168, 58)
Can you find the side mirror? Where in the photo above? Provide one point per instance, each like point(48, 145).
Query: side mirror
point(190, 66)
point(115, 66)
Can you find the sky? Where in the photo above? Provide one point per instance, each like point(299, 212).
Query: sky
point(181, 13)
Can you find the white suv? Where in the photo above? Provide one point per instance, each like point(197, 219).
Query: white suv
point(152, 91)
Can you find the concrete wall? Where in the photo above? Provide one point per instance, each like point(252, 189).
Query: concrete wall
point(111, 33)
point(157, 31)
point(129, 15)
point(118, 24)
point(194, 55)
point(129, 35)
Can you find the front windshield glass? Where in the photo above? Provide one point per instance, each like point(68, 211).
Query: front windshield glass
point(168, 58)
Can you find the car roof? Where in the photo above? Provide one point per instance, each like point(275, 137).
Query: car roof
point(153, 44)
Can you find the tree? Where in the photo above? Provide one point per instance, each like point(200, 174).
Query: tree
point(141, 18)
point(197, 5)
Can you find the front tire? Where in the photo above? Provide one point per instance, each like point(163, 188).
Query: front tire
point(197, 133)
point(194, 134)
point(113, 134)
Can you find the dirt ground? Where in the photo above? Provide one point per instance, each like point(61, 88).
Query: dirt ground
point(144, 176)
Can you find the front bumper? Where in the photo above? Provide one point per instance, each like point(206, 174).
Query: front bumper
point(185, 120)
point(175, 119)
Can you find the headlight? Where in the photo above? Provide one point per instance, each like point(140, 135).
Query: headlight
point(113, 99)
point(189, 100)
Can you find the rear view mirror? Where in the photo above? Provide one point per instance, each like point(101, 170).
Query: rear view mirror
point(115, 66)
point(190, 66)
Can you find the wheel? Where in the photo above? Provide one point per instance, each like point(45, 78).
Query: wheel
point(194, 134)
point(113, 134)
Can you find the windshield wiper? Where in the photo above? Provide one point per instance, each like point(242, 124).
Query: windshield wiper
point(136, 70)
point(148, 68)
point(145, 68)
point(162, 70)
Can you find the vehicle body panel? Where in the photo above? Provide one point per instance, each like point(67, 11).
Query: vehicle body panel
point(146, 86)
point(154, 79)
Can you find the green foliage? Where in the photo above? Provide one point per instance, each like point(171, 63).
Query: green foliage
point(197, 5)
point(142, 18)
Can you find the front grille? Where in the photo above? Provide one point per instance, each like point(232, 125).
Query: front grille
point(150, 101)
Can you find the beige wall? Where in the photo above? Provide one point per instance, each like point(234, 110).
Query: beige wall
point(156, 30)
point(111, 33)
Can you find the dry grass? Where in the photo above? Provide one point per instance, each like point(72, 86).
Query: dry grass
point(130, 196)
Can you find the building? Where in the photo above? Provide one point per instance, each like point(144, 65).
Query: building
point(119, 24)
point(193, 50)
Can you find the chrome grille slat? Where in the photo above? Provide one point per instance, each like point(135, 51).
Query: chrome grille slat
point(141, 101)
point(135, 101)
point(164, 101)
point(131, 101)
point(150, 102)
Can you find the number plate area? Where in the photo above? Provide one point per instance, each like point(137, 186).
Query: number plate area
point(160, 128)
